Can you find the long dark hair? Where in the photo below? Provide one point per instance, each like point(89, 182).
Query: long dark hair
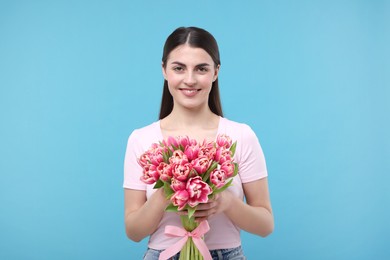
point(198, 38)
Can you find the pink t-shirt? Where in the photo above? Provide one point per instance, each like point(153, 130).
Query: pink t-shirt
point(249, 156)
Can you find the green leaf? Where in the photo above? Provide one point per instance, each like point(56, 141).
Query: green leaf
point(158, 184)
point(191, 211)
point(165, 157)
point(206, 175)
point(193, 173)
point(235, 169)
point(224, 187)
point(171, 208)
point(167, 189)
point(233, 148)
point(175, 147)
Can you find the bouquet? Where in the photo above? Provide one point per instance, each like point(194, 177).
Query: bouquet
point(190, 173)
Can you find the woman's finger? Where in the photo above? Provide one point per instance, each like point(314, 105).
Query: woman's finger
point(206, 206)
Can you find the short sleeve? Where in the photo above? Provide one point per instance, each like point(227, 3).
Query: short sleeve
point(252, 164)
point(132, 170)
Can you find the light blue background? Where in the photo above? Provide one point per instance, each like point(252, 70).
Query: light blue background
point(310, 77)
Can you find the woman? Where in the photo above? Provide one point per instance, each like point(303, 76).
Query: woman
point(191, 106)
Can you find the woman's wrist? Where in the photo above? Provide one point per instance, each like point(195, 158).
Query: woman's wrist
point(159, 200)
point(228, 200)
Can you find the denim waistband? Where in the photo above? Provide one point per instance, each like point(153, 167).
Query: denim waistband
point(218, 254)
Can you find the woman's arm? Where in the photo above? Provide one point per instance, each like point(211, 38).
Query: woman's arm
point(143, 216)
point(254, 217)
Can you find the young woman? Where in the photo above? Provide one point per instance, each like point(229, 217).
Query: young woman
point(191, 106)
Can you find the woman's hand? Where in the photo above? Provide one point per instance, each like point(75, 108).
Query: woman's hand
point(216, 205)
point(254, 216)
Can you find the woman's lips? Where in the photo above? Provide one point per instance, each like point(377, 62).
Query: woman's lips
point(189, 92)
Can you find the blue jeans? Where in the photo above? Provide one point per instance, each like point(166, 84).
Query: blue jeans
point(218, 254)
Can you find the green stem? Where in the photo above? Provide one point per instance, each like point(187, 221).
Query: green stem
point(182, 252)
point(192, 249)
point(188, 249)
point(196, 254)
point(189, 224)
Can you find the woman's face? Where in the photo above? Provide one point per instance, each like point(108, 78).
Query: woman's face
point(190, 73)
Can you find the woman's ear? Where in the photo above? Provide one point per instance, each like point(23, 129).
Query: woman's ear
point(163, 70)
point(216, 71)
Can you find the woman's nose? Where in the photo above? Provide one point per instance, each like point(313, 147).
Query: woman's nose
point(190, 79)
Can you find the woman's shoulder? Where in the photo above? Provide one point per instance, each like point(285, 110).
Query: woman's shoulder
point(151, 128)
point(234, 126)
point(238, 130)
point(146, 135)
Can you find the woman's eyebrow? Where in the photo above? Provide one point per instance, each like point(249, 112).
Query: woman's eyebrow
point(203, 65)
point(183, 65)
point(178, 63)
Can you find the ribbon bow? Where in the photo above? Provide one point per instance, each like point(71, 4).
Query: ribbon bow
point(196, 235)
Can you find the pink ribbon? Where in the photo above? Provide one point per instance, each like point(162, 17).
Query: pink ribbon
point(196, 235)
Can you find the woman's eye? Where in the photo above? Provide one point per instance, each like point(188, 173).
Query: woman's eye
point(178, 69)
point(203, 69)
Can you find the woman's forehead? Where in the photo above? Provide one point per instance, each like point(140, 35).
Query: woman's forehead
point(187, 54)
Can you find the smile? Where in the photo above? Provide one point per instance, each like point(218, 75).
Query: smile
point(189, 91)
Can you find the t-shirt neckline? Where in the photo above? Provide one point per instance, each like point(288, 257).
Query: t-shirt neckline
point(219, 129)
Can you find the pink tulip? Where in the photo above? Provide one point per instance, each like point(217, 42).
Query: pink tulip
point(180, 199)
point(228, 168)
point(181, 171)
point(154, 146)
point(178, 157)
point(156, 159)
point(150, 174)
point(193, 142)
point(224, 141)
point(222, 155)
point(201, 164)
point(191, 152)
point(198, 191)
point(172, 142)
point(162, 149)
point(184, 141)
point(218, 177)
point(144, 159)
point(177, 185)
point(165, 171)
point(207, 149)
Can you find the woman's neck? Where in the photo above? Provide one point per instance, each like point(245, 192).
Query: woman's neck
point(200, 125)
point(182, 118)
